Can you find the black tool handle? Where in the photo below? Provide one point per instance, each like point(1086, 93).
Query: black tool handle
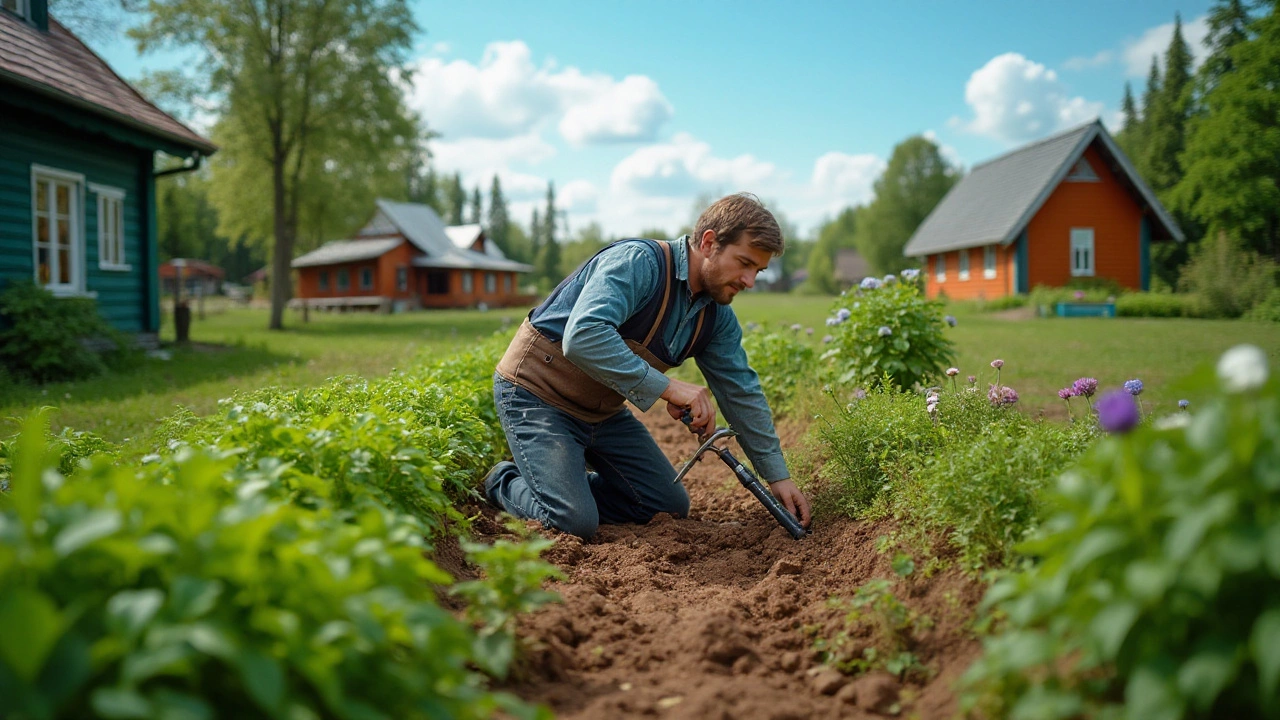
point(766, 498)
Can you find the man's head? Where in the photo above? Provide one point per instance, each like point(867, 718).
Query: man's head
point(736, 237)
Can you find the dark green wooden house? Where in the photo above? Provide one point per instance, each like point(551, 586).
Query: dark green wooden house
point(77, 170)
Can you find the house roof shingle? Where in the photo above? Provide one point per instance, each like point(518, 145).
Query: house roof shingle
point(996, 200)
point(424, 228)
point(344, 251)
point(58, 64)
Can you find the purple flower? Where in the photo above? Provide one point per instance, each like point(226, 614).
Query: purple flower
point(885, 331)
point(843, 314)
point(1182, 404)
point(1117, 411)
point(795, 327)
point(972, 379)
point(827, 338)
point(859, 394)
point(910, 274)
point(832, 322)
point(950, 320)
point(1085, 387)
point(1002, 395)
point(997, 364)
point(1134, 387)
point(1079, 294)
point(808, 331)
point(1067, 393)
point(890, 279)
point(869, 283)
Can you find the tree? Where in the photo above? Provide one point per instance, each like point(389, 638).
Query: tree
point(535, 238)
point(457, 200)
point(1165, 127)
point(1232, 160)
point(655, 233)
point(588, 241)
point(1128, 135)
point(477, 206)
point(833, 236)
point(311, 98)
point(548, 261)
point(499, 221)
point(915, 180)
point(1228, 26)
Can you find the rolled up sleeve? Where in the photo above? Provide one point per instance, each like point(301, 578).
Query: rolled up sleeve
point(739, 396)
point(617, 286)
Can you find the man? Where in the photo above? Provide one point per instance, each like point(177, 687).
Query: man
point(606, 335)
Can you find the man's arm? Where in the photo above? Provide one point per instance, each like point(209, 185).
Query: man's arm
point(737, 390)
point(617, 286)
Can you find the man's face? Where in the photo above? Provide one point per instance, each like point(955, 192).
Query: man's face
point(730, 269)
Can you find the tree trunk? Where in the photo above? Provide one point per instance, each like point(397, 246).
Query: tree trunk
point(282, 252)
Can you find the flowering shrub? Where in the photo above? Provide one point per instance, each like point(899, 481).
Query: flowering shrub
point(888, 329)
point(1154, 588)
point(783, 362)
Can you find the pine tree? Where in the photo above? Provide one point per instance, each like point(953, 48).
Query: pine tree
point(1228, 26)
point(457, 199)
point(535, 239)
point(499, 222)
point(1128, 135)
point(477, 206)
point(430, 192)
point(549, 258)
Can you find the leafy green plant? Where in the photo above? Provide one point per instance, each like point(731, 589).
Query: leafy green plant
point(1269, 309)
point(888, 330)
point(1158, 305)
point(194, 586)
point(1229, 277)
point(1153, 588)
point(784, 363)
point(41, 336)
point(879, 632)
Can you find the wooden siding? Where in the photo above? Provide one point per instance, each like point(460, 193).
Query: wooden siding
point(28, 139)
point(978, 286)
point(1108, 208)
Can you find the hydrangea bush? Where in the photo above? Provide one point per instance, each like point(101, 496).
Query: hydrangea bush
point(1155, 587)
point(888, 329)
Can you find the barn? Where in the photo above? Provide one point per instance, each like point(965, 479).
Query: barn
point(406, 258)
point(1070, 207)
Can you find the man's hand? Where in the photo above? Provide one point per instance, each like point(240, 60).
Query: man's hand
point(680, 395)
point(792, 499)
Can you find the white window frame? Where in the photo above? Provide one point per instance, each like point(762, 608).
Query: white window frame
point(75, 220)
point(989, 262)
point(940, 268)
point(468, 281)
point(23, 9)
point(366, 271)
point(1082, 241)
point(963, 264)
point(111, 255)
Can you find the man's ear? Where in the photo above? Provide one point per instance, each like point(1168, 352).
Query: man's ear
point(707, 243)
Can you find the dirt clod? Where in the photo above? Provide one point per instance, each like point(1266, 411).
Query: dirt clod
point(877, 692)
point(785, 566)
point(829, 681)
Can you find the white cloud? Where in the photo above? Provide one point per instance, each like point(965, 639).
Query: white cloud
point(1015, 99)
point(685, 166)
point(578, 196)
point(506, 94)
point(846, 179)
point(479, 159)
point(950, 154)
point(1137, 53)
point(1103, 57)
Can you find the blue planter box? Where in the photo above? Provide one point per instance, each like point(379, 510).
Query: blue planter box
point(1082, 309)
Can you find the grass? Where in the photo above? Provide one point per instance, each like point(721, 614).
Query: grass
point(233, 351)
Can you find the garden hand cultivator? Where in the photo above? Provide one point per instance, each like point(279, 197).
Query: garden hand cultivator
point(745, 476)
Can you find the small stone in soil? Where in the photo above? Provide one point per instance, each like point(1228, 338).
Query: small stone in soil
point(667, 703)
point(828, 681)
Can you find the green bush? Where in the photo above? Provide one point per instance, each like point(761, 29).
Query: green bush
point(784, 363)
point(1228, 277)
point(1007, 302)
point(1269, 309)
point(41, 336)
point(888, 331)
point(1155, 588)
point(1160, 305)
point(195, 586)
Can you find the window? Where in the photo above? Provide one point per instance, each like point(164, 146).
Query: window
point(20, 7)
point(490, 283)
point(57, 245)
point(437, 282)
point(1082, 171)
point(989, 262)
point(344, 280)
point(964, 264)
point(366, 278)
point(110, 227)
point(402, 279)
point(324, 281)
point(940, 268)
point(506, 282)
point(1082, 252)
point(467, 282)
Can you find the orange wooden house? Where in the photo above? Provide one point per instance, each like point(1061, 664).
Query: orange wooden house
point(1065, 208)
point(406, 258)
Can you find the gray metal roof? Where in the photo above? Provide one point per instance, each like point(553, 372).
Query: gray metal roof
point(996, 200)
point(424, 228)
point(344, 251)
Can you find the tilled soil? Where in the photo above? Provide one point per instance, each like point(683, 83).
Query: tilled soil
point(714, 616)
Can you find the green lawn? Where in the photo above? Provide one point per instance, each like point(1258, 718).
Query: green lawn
point(233, 351)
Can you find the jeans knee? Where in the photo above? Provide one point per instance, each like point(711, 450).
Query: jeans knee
point(677, 503)
point(583, 524)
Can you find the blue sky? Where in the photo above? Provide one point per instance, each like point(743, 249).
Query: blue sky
point(635, 109)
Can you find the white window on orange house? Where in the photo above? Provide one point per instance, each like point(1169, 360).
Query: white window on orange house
point(366, 278)
point(490, 283)
point(402, 279)
point(1082, 252)
point(964, 264)
point(940, 268)
point(989, 262)
point(506, 282)
point(467, 281)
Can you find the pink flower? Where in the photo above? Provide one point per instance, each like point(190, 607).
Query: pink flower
point(997, 364)
point(1067, 393)
point(952, 372)
point(1002, 395)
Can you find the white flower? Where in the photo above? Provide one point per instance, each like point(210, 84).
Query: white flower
point(1243, 368)
point(1172, 422)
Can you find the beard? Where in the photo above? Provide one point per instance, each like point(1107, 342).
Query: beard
point(721, 291)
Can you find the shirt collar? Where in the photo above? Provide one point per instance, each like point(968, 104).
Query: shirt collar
point(680, 253)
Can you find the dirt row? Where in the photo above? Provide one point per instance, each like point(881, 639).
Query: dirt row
point(716, 615)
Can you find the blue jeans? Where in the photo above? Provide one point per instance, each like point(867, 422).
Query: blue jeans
point(630, 479)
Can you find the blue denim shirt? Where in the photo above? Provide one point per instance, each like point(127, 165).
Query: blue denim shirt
point(613, 287)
